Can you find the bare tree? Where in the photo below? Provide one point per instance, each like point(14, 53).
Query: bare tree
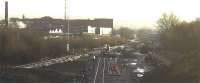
point(168, 21)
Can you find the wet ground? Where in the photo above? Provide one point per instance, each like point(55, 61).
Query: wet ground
point(95, 68)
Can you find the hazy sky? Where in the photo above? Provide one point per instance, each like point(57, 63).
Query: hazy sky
point(135, 13)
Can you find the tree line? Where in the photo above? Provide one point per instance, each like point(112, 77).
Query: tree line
point(183, 38)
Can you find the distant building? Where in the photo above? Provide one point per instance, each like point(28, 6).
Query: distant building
point(96, 26)
point(152, 37)
point(76, 26)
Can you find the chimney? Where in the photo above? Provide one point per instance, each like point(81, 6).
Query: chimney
point(23, 17)
point(6, 14)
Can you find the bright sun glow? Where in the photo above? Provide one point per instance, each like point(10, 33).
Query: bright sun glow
point(135, 13)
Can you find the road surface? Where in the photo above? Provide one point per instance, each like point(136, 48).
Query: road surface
point(102, 71)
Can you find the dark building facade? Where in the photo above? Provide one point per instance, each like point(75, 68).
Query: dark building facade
point(76, 26)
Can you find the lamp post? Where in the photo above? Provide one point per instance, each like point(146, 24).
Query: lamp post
point(67, 20)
